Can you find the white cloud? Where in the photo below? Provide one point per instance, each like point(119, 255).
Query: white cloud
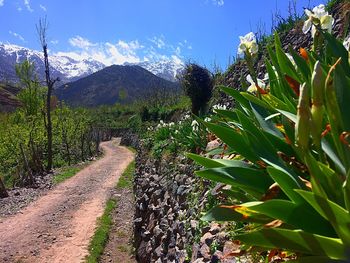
point(185, 44)
point(17, 36)
point(54, 42)
point(27, 5)
point(106, 53)
point(19, 9)
point(158, 41)
point(80, 42)
point(218, 2)
point(1, 2)
point(120, 52)
point(43, 7)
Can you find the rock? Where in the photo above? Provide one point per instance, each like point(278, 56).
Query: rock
point(157, 233)
point(158, 251)
point(144, 251)
point(207, 238)
point(213, 145)
point(199, 260)
point(230, 247)
point(214, 228)
point(195, 251)
point(205, 251)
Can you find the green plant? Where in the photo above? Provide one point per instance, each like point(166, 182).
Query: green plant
point(197, 83)
point(292, 178)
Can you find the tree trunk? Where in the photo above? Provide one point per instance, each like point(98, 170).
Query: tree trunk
point(3, 192)
point(41, 28)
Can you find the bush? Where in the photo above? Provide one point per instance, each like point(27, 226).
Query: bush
point(197, 83)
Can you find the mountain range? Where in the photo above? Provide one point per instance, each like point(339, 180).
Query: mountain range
point(69, 69)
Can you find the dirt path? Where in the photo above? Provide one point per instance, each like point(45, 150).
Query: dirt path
point(58, 226)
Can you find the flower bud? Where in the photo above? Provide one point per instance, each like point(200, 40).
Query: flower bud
point(317, 110)
point(302, 129)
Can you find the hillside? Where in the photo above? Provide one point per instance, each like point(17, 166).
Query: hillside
point(113, 84)
point(8, 100)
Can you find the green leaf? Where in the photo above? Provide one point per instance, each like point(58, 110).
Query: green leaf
point(338, 50)
point(233, 139)
point(216, 163)
point(301, 64)
point(342, 90)
point(258, 101)
point(301, 216)
point(327, 148)
point(225, 213)
point(296, 240)
point(254, 181)
point(266, 125)
point(236, 95)
point(289, 115)
point(337, 215)
point(287, 182)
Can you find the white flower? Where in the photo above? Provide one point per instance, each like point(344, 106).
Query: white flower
point(177, 132)
point(248, 44)
point(207, 119)
point(318, 16)
point(219, 107)
point(195, 125)
point(171, 124)
point(187, 116)
point(346, 43)
point(261, 82)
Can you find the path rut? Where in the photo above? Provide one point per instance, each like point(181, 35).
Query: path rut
point(58, 226)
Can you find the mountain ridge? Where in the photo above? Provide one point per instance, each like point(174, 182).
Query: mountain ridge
point(105, 87)
point(69, 69)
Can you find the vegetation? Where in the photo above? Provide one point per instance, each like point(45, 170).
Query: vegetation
point(288, 153)
point(197, 83)
point(65, 174)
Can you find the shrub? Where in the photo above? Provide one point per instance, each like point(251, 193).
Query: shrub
point(197, 83)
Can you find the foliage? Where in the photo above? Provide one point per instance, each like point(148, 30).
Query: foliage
point(23, 140)
point(65, 174)
point(125, 181)
point(173, 138)
point(289, 156)
point(197, 83)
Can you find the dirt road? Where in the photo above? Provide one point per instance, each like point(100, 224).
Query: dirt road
point(58, 226)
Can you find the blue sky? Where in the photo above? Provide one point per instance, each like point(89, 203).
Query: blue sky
point(118, 31)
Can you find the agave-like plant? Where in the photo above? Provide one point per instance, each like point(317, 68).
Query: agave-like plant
point(290, 142)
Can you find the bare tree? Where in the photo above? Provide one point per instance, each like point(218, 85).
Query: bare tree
point(42, 32)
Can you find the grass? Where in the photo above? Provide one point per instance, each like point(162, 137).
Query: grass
point(66, 173)
point(125, 181)
point(100, 238)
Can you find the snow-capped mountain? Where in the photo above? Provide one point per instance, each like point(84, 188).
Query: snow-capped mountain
point(66, 68)
point(167, 68)
point(69, 69)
